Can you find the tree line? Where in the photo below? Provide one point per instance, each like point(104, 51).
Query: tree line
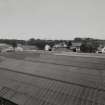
point(87, 44)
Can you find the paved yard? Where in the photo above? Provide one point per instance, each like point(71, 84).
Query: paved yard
point(52, 79)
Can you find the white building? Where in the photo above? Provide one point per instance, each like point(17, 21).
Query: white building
point(60, 45)
point(18, 49)
point(76, 46)
point(101, 50)
point(47, 47)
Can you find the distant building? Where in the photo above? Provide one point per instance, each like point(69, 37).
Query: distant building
point(47, 47)
point(60, 45)
point(5, 47)
point(76, 46)
point(25, 47)
point(20, 49)
point(101, 49)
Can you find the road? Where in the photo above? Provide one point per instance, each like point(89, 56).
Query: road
point(52, 79)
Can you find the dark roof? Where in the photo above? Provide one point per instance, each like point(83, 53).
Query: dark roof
point(31, 79)
point(76, 44)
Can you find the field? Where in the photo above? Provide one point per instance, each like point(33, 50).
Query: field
point(52, 78)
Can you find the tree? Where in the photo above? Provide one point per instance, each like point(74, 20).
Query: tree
point(69, 44)
point(89, 46)
point(31, 41)
point(39, 43)
point(83, 47)
point(77, 39)
point(14, 44)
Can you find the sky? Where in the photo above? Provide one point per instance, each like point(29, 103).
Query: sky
point(52, 19)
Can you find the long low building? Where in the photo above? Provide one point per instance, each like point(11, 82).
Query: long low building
point(4, 46)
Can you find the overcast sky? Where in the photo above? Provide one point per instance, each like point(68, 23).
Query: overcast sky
point(52, 19)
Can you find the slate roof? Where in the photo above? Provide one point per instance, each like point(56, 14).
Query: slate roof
point(76, 44)
point(47, 79)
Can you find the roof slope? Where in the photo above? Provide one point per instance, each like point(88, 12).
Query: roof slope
point(46, 79)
